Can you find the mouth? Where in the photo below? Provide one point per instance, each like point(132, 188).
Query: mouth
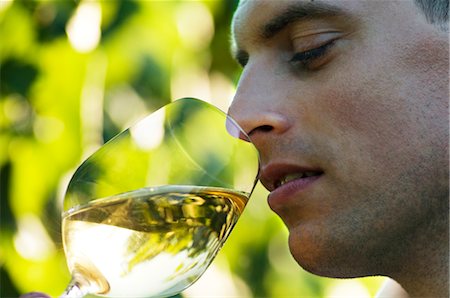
point(294, 176)
point(276, 176)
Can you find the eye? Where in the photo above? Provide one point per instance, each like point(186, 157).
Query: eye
point(313, 58)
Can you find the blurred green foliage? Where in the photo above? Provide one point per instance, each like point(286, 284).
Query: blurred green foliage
point(75, 73)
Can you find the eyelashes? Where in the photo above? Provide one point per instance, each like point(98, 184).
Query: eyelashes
point(307, 58)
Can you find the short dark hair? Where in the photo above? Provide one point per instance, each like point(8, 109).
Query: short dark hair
point(436, 11)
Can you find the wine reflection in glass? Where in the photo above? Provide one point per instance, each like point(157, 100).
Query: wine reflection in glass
point(146, 214)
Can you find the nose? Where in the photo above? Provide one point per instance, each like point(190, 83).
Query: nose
point(258, 105)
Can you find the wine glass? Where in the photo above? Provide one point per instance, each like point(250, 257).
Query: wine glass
point(146, 214)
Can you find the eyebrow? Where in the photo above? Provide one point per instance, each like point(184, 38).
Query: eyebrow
point(296, 12)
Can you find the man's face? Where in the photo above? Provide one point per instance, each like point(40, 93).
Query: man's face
point(346, 102)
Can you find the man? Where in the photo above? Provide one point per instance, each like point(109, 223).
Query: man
point(347, 103)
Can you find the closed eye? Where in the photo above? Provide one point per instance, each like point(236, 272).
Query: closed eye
point(307, 58)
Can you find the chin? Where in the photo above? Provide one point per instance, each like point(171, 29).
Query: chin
point(325, 256)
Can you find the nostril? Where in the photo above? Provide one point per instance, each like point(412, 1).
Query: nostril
point(266, 128)
point(262, 128)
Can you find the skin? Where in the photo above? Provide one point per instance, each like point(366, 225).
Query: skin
point(369, 114)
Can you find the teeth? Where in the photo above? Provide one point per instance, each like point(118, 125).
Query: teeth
point(294, 176)
point(291, 177)
point(309, 174)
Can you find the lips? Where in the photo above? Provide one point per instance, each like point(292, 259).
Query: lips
point(274, 176)
point(285, 180)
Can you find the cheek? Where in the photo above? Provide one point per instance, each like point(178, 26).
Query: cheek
point(351, 115)
point(368, 124)
point(392, 100)
point(363, 103)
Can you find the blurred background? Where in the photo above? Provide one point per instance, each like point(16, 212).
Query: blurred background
point(75, 73)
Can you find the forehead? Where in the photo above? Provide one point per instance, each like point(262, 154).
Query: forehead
point(253, 16)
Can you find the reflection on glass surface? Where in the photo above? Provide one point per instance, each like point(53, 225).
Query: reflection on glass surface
point(147, 213)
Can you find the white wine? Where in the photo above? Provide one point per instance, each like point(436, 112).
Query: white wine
point(149, 242)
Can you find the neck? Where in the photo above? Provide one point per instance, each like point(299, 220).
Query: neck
point(424, 266)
